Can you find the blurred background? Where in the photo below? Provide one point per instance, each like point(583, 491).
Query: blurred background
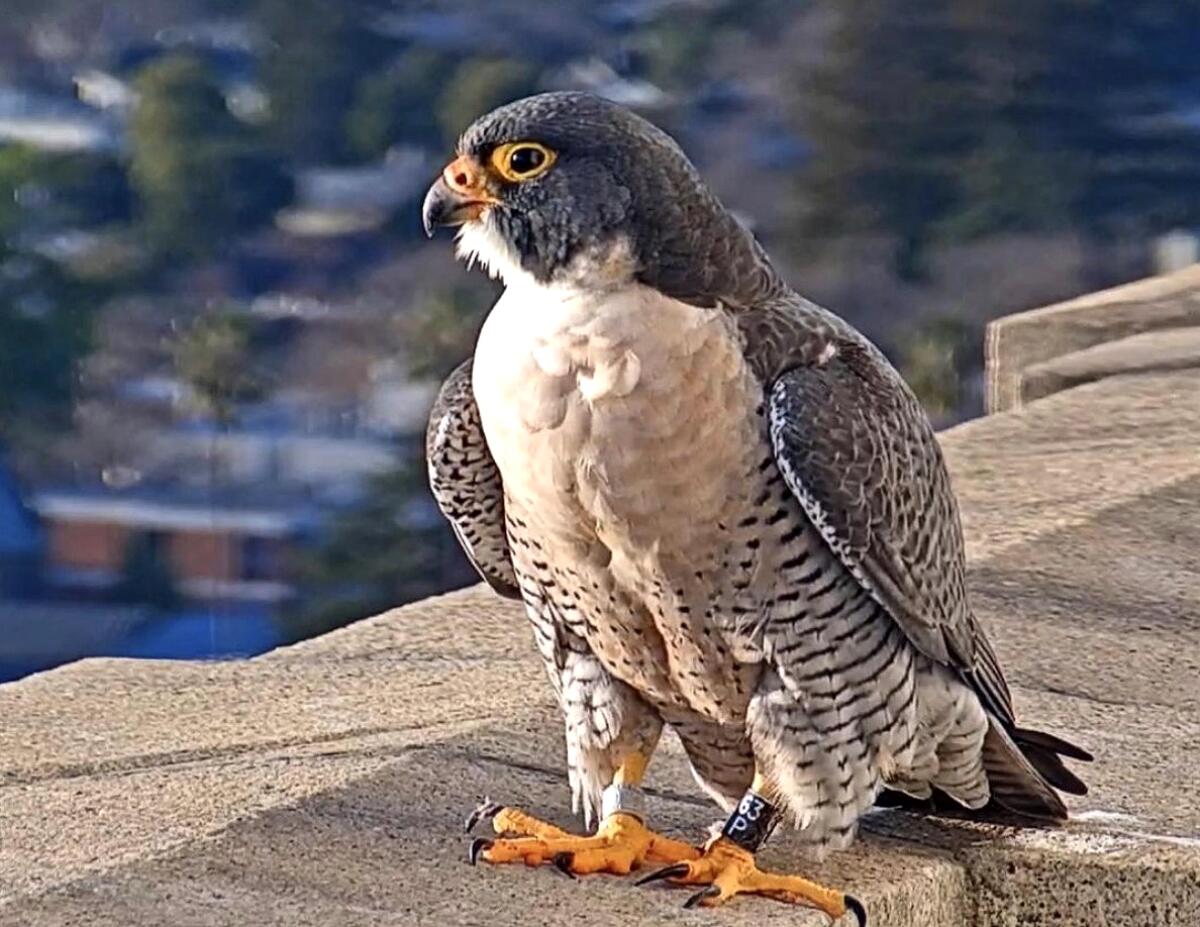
point(221, 327)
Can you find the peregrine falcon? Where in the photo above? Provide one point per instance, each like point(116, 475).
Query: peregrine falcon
point(723, 510)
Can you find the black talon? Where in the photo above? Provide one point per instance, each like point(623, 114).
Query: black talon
point(709, 891)
point(668, 872)
point(478, 845)
point(562, 862)
point(485, 809)
point(856, 906)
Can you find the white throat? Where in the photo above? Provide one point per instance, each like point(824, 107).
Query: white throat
point(601, 269)
point(479, 243)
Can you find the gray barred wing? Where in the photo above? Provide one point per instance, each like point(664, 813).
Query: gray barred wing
point(857, 450)
point(466, 482)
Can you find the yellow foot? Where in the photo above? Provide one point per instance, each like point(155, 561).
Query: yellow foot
point(621, 843)
point(727, 870)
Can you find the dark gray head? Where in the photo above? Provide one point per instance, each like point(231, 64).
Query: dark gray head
point(560, 175)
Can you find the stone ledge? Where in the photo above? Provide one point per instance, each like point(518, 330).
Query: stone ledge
point(325, 783)
point(1017, 343)
point(1168, 349)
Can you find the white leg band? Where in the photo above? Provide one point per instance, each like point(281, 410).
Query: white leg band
point(625, 799)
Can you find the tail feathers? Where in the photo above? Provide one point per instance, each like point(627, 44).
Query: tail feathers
point(1044, 741)
point(1018, 781)
point(1045, 752)
point(1023, 770)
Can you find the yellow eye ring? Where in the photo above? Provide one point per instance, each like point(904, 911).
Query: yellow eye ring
point(520, 161)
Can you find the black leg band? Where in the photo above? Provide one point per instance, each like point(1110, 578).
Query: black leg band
point(751, 822)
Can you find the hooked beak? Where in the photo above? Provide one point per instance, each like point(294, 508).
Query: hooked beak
point(459, 195)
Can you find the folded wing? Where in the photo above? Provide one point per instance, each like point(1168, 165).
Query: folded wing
point(466, 482)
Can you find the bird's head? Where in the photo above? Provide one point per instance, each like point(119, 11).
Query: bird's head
point(571, 187)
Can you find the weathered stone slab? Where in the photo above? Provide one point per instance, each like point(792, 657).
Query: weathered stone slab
point(1018, 342)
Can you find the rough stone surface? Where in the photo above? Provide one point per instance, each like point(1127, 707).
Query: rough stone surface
point(1017, 342)
point(325, 784)
point(1169, 349)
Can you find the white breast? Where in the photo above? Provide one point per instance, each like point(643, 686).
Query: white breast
point(623, 415)
point(543, 348)
point(625, 429)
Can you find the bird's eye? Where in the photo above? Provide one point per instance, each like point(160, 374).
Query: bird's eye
point(517, 161)
point(525, 160)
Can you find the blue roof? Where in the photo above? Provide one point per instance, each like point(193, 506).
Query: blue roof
point(19, 529)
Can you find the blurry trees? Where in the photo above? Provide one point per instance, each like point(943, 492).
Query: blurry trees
point(45, 329)
point(47, 190)
point(17, 167)
point(678, 52)
point(440, 329)
point(378, 554)
point(426, 98)
point(45, 312)
point(395, 104)
point(938, 356)
point(340, 91)
point(930, 123)
point(214, 358)
point(887, 115)
point(320, 52)
point(479, 85)
point(200, 174)
point(968, 118)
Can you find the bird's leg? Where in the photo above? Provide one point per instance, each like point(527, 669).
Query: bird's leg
point(727, 866)
point(622, 841)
